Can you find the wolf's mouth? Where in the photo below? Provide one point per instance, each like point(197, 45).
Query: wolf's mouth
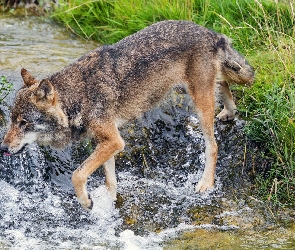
point(6, 152)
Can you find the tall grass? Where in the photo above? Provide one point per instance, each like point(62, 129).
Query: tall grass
point(108, 21)
point(271, 104)
point(274, 125)
point(263, 30)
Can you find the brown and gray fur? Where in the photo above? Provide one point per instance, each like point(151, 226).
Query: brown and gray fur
point(113, 84)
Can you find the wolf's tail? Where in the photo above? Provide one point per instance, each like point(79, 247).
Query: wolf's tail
point(233, 66)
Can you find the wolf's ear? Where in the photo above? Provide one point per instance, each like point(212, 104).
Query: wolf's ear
point(28, 78)
point(45, 92)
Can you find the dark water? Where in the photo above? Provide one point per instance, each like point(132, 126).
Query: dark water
point(157, 172)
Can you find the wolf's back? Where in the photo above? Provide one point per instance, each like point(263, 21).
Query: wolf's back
point(173, 38)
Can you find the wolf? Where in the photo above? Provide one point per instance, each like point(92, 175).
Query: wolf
point(95, 95)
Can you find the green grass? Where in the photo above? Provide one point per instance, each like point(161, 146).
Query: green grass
point(247, 21)
point(110, 21)
point(263, 30)
point(5, 88)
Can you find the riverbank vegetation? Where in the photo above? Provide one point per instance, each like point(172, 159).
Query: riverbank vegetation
point(263, 30)
point(5, 88)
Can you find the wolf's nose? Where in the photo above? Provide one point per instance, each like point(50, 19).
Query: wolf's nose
point(4, 150)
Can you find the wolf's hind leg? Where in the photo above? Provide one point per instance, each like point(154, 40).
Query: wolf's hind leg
point(229, 109)
point(110, 143)
point(111, 181)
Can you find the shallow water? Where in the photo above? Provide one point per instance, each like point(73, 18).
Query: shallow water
point(157, 207)
point(37, 45)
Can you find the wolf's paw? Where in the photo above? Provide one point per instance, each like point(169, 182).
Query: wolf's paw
point(113, 192)
point(204, 185)
point(226, 115)
point(88, 205)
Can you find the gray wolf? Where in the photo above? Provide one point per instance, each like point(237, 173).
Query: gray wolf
point(94, 96)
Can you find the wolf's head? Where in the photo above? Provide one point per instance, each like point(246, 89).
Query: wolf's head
point(36, 116)
point(234, 67)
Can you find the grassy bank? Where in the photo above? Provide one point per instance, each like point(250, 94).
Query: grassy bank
point(263, 30)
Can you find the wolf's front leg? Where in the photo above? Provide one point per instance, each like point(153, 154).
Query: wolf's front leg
point(111, 180)
point(207, 180)
point(229, 109)
point(110, 143)
point(202, 92)
point(206, 122)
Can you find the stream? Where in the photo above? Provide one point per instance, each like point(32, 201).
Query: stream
point(157, 207)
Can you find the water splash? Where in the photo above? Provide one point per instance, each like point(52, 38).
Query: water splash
point(38, 207)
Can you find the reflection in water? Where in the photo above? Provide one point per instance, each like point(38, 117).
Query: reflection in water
point(157, 172)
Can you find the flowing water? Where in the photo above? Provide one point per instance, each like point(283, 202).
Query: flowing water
point(157, 207)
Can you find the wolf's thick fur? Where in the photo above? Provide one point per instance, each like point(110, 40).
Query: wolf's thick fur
point(113, 84)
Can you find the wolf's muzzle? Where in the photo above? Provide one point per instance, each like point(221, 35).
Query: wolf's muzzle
point(4, 150)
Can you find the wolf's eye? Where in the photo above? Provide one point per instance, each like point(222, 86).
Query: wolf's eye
point(23, 123)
